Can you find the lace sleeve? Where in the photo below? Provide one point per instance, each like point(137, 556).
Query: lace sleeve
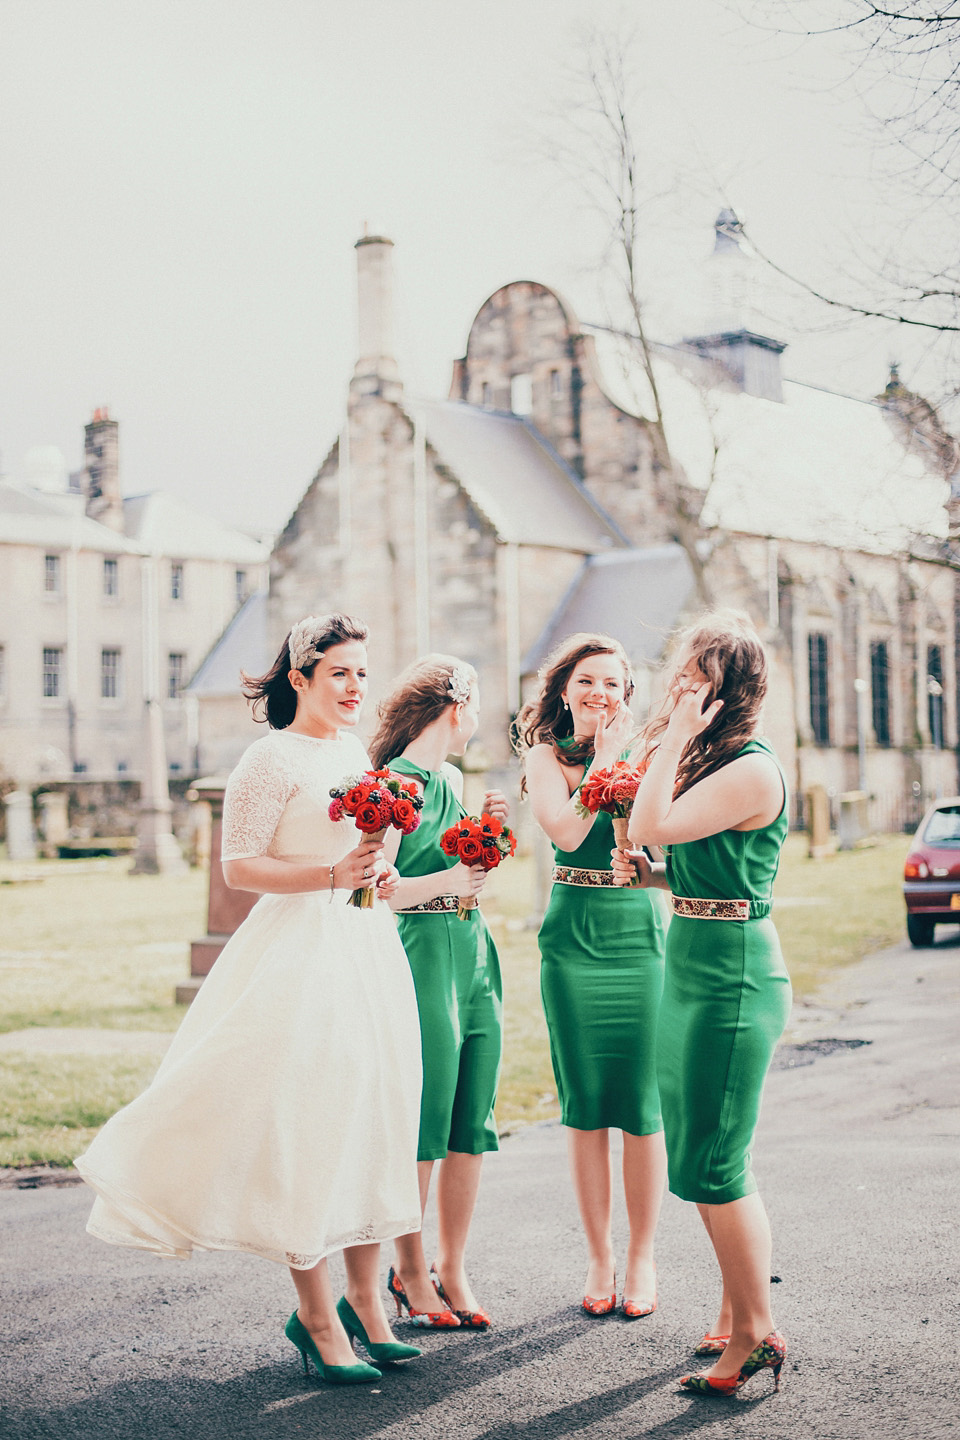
point(256, 796)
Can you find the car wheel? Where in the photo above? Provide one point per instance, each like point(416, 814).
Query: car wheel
point(920, 930)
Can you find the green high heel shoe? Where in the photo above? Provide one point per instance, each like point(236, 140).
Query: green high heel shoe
point(385, 1352)
point(359, 1374)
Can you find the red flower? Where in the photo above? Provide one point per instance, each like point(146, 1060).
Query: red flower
point(471, 850)
point(403, 813)
point(368, 817)
point(449, 841)
point(355, 797)
point(335, 810)
point(490, 825)
point(491, 857)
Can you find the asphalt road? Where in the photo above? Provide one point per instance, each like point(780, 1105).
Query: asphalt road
point(859, 1164)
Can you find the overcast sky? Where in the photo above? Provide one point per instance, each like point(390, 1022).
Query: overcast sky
point(182, 184)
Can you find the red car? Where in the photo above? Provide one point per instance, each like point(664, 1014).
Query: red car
point(931, 873)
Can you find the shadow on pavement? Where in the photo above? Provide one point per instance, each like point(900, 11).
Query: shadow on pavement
point(274, 1400)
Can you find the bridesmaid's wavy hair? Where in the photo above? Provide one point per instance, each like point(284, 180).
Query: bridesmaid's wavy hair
point(272, 697)
point(545, 720)
point(729, 653)
point(420, 694)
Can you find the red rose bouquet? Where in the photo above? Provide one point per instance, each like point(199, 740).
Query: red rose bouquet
point(613, 791)
point(477, 840)
point(375, 801)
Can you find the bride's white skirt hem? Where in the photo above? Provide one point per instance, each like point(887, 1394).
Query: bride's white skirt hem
point(112, 1220)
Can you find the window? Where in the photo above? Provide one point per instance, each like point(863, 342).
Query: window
point(521, 394)
point(819, 657)
point(176, 580)
point(109, 674)
point(880, 691)
point(556, 384)
point(111, 578)
point(52, 672)
point(176, 664)
point(51, 574)
point(935, 693)
point(240, 583)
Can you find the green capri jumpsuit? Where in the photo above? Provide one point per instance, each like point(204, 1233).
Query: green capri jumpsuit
point(456, 974)
point(726, 999)
point(601, 974)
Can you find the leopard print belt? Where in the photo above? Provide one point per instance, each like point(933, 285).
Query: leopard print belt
point(439, 905)
point(710, 909)
point(570, 875)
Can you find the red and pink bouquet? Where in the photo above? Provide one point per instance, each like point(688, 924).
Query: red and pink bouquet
point(374, 801)
point(613, 791)
point(477, 840)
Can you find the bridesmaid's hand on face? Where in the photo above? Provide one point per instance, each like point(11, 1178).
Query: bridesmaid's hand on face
point(613, 736)
point(693, 712)
point(495, 803)
point(465, 880)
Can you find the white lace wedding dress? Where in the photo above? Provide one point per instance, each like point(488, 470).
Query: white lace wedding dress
point(283, 1119)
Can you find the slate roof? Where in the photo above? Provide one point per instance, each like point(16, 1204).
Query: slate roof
point(819, 467)
point(244, 645)
point(637, 596)
point(519, 482)
point(164, 525)
point(34, 517)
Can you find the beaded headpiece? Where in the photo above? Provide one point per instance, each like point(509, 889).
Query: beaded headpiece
point(460, 684)
point(303, 640)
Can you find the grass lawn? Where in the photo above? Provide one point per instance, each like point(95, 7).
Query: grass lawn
point(98, 948)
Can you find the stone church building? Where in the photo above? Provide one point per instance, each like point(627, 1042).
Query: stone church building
point(534, 501)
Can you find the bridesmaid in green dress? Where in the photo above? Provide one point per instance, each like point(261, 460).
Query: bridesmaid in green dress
point(601, 966)
point(433, 712)
point(714, 797)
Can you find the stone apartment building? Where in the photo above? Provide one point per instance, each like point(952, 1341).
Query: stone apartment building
point(532, 502)
point(108, 602)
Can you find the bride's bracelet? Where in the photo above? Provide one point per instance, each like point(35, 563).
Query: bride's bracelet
point(332, 886)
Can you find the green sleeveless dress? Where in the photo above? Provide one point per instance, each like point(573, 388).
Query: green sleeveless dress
point(456, 974)
point(601, 975)
point(726, 1000)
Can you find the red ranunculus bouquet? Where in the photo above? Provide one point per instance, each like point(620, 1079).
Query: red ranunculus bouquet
point(477, 840)
point(613, 791)
point(375, 801)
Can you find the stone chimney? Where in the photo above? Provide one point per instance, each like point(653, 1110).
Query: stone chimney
point(375, 372)
point(102, 462)
point(750, 359)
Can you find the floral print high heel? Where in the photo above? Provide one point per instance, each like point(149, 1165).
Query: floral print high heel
point(469, 1319)
point(768, 1355)
point(712, 1344)
point(426, 1319)
point(605, 1305)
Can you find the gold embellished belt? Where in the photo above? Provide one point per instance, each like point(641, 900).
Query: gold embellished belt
point(570, 875)
point(710, 909)
point(439, 905)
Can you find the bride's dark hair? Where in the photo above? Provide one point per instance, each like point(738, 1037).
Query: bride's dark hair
point(272, 697)
point(545, 720)
point(729, 653)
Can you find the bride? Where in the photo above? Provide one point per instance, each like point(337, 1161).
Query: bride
point(283, 1120)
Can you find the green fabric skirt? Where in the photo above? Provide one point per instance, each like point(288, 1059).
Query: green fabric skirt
point(726, 1000)
point(456, 972)
point(601, 975)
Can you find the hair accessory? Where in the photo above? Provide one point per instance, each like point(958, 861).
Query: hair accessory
point(460, 684)
point(303, 640)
